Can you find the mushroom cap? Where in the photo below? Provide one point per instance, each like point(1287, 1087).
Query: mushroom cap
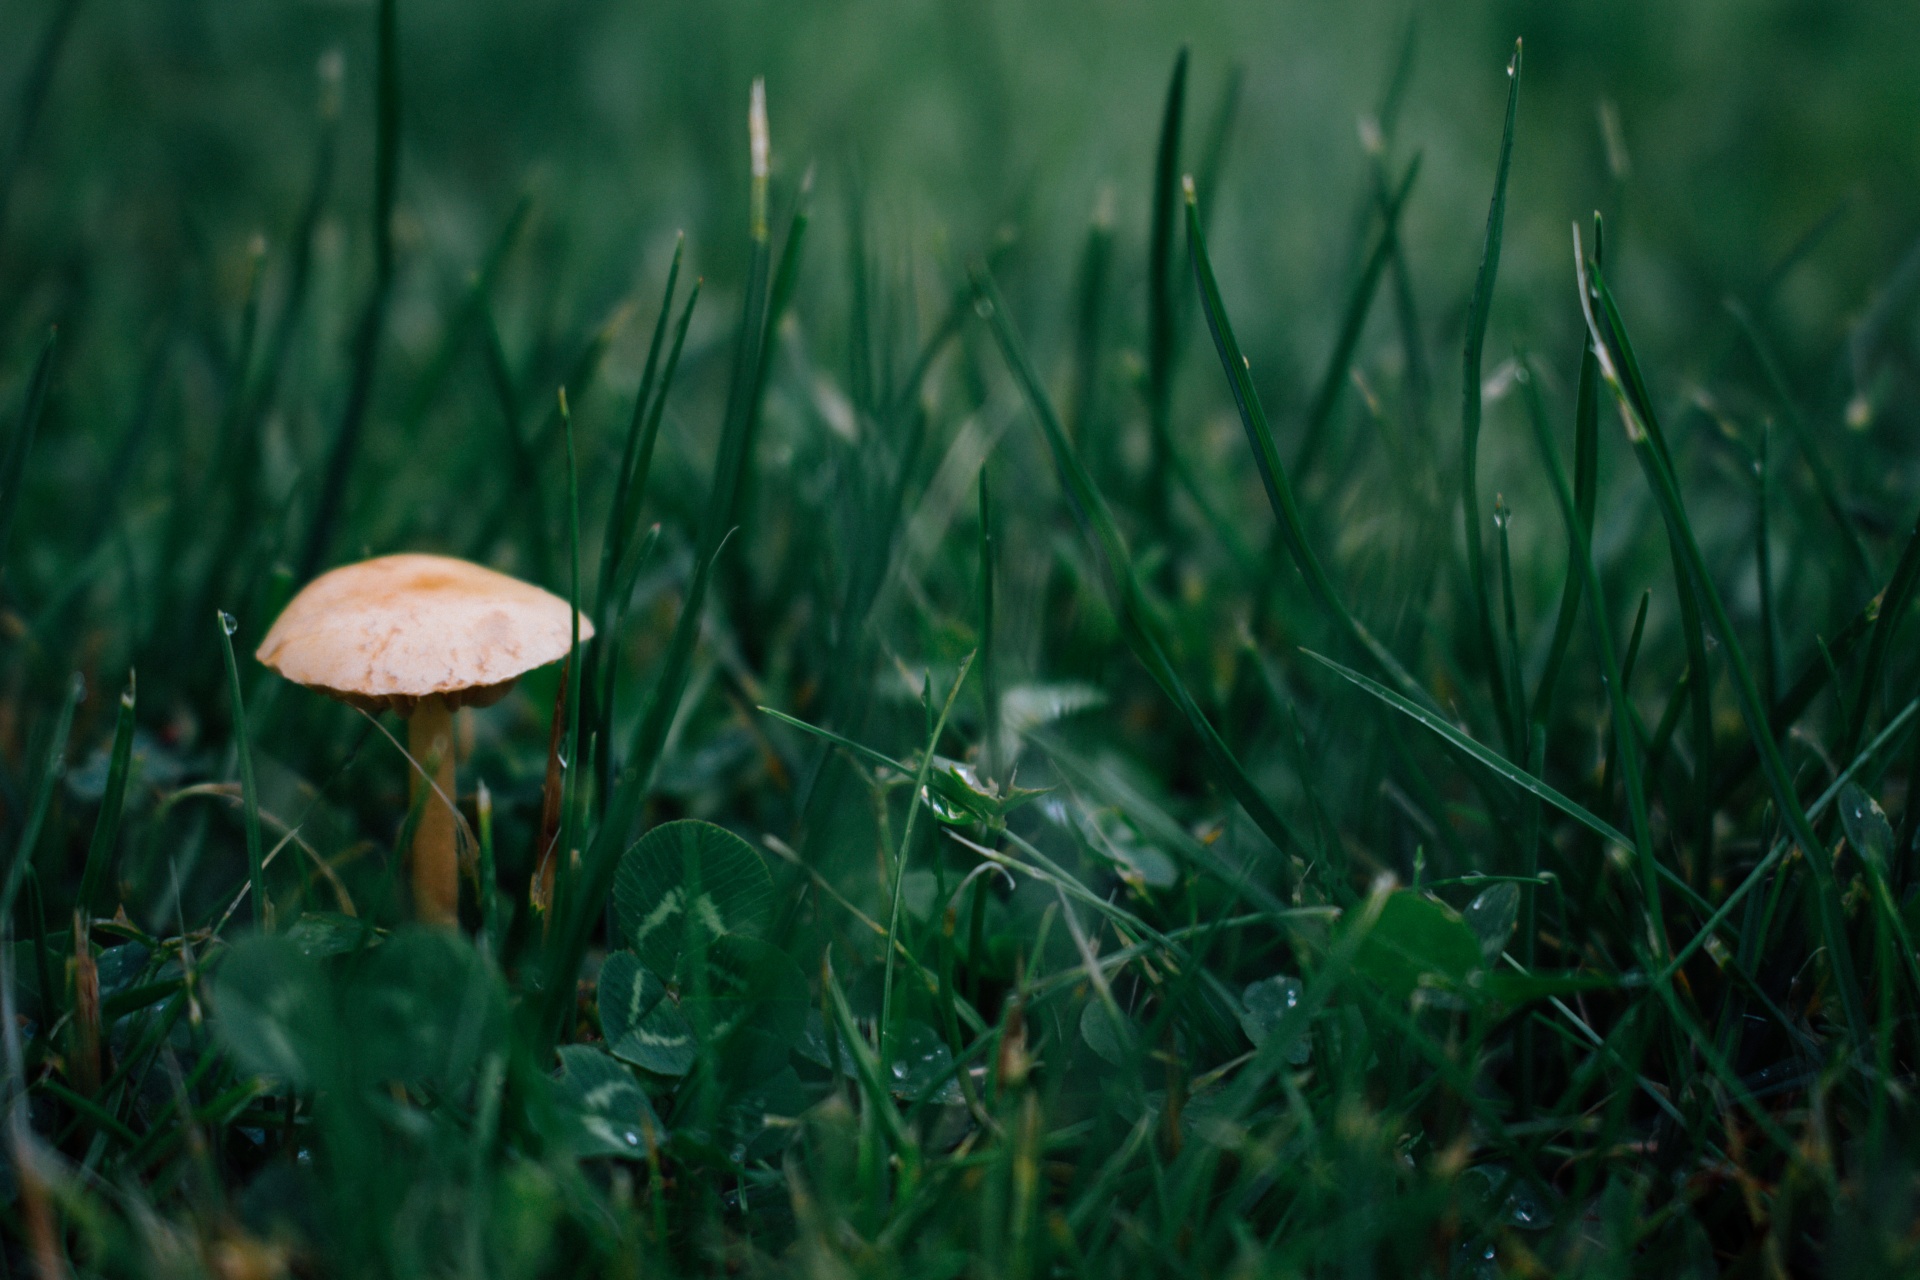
point(390, 631)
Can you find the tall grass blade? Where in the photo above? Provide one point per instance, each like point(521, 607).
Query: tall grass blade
point(249, 791)
point(1478, 312)
point(1624, 740)
point(1615, 354)
point(634, 455)
point(1353, 322)
point(1273, 473)
point(989, 671)
point(1160, 312)
point(570, 814)
point(101, 852)
point(627, 559)
point(1586, 486)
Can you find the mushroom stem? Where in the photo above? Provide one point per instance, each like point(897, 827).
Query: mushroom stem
point(436, 863)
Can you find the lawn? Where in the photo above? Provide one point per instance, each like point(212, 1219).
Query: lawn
point(1210, 639)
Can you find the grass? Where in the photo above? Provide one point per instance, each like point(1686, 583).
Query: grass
point(1084, 766)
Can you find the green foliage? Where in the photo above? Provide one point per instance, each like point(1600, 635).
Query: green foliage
point(962, 860)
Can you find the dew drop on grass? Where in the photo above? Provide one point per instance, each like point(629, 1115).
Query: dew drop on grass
point(228, 623)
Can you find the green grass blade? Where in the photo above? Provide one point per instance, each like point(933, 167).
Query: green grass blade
point(1509, 619)
point(1478, 312)
point(915, 802)
point(1160, 313)
point(613, 542)
point(1090, 311)
point(1353, 322)
point(989, 672)
point(1686, 587)
point(1491, 760)
point(1137, 623)
point(1586, 468)
point(1273, 473)
point(249, 792)
point(628, 562)
point(1615, 353)
point(106, 828)
point(1624, 744)
point(575, 676)
point(1763, 562)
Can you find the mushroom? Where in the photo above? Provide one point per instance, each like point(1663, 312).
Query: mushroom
point(423, 635)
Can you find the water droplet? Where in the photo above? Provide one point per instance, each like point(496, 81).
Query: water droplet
point(228, 623)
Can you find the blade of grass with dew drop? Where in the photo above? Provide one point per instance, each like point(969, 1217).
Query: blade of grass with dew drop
point(1273, 474)
point(1479, 310)
point(345, 446)
point(13, 468)
point(1137, 621)
point(51, 772)
point(1160, 315)
point(249, 793)
point(1353, 322)
point(101, 851)
point(1636, 417)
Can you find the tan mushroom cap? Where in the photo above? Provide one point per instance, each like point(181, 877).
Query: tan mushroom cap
point(390, 631)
